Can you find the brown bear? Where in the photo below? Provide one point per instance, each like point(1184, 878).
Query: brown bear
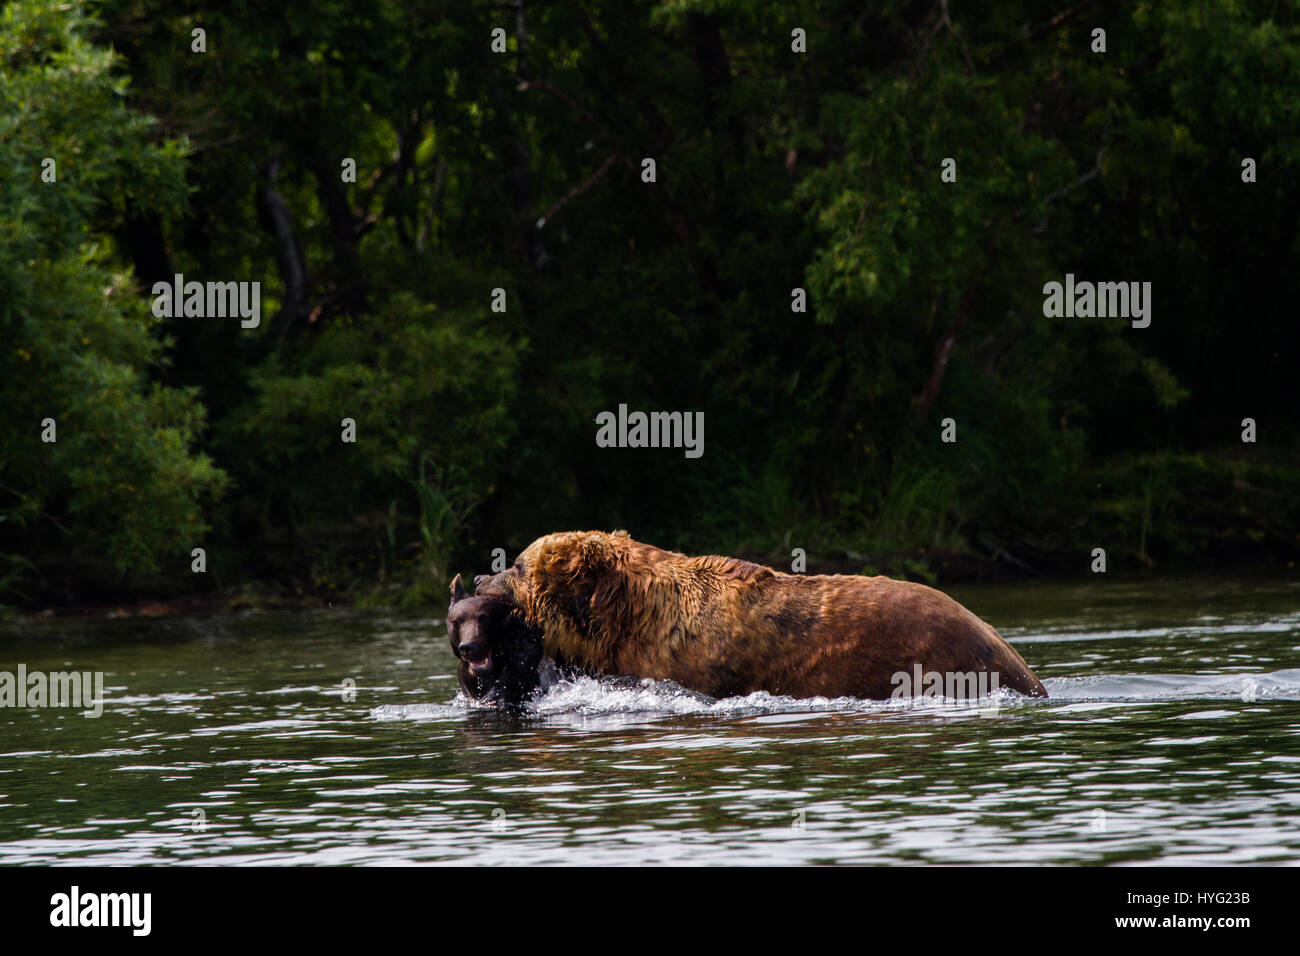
point(500, 654)
point(609, 605)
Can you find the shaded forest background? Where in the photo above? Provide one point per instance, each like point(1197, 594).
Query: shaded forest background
point(522, 170)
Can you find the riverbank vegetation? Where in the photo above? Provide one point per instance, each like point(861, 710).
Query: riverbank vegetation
point(920, 171)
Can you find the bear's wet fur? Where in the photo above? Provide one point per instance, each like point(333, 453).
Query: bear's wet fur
point(500, 654)
point(607, 604)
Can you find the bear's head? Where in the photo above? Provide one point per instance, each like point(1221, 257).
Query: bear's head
point(500, 653)
point(560, 581)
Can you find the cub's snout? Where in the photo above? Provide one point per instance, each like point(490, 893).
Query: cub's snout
point(500, 654)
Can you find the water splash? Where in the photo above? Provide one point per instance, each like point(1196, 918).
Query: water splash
point(587, 698)
point(1277, 685)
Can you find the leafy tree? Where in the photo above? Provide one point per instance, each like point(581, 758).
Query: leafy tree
point(122, 482)
point(776, 169)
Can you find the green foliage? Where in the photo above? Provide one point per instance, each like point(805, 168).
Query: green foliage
point(1161, 508)
point(122, 482)
point(521, 171)
point(430, 394)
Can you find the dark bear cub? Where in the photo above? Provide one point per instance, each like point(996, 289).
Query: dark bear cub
point(500, 654)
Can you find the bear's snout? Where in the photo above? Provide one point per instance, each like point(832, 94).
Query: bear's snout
point(471, 650)
point(475, 651)
point(495, 585)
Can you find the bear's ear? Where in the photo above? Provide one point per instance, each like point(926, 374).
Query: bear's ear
point(458, 592)
point(597, 550)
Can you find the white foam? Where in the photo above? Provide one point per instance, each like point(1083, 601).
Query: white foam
point(591, 698)
point(1275, 685)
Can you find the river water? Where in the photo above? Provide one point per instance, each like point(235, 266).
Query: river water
point(1172, 736)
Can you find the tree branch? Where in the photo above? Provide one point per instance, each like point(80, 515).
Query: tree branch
point(945, 20)
point(578, 190)
point(274, 214)
point(547, 87)
point(1065, 16)
point(942, 353)
point(1091, 174)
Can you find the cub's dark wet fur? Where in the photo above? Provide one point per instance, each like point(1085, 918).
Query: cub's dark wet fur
point(500, 654)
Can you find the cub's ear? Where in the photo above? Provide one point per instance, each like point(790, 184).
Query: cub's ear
point(458, 592)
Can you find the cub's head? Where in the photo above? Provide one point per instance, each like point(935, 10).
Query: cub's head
point(559, 578)
point(500, 653)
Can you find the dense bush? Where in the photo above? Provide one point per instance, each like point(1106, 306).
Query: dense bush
point(521, 170)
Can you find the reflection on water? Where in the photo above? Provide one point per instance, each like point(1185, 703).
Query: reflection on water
point(1172, 735)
